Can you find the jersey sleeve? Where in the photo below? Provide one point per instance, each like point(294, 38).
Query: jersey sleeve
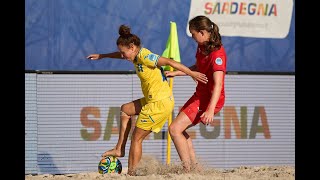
point(151, 60)
point(218, 62)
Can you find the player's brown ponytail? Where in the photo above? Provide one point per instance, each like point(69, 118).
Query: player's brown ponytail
point(199, 23)
point(126, 38)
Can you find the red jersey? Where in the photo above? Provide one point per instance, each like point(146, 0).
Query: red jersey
point(208, 64)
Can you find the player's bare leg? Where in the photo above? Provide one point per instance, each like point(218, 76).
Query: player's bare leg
point(195, 166)
point(179, 137)
point(136, 149)
point(127, 110)
point(125, 126)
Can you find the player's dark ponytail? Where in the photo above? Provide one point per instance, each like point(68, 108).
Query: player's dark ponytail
point(126, 38)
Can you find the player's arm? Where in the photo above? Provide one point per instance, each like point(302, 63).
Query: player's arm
point(162, 61)
point(193, 67)
point(208, 115)
point(217, 78)
point(180, 73)
point(116, 55)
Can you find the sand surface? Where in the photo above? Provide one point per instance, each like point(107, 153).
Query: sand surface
point(151, 169)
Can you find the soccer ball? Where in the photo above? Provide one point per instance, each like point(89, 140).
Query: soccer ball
point(109, 164)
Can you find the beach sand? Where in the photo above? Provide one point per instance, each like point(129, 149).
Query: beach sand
point(151, 169)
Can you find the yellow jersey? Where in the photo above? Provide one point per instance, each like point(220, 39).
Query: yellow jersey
point(154, 84)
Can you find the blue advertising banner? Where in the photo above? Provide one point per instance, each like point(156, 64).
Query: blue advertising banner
point(259, 36)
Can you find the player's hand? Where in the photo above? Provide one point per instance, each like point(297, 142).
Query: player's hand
point(170, 73)
point(93, 56)
point(207, 117)
point(197, 76)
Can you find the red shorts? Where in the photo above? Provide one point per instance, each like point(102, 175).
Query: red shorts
point(194, 108)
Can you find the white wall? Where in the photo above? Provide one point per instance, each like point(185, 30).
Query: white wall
point(77, 119)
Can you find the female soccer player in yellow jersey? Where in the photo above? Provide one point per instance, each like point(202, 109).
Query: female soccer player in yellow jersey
point(158, 102)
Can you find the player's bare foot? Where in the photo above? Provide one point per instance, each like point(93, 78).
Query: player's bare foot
point(197, 168)
point(132, 172)
point(186, 167)
point(113, 152)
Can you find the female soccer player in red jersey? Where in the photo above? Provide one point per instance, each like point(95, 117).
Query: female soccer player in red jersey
point(208, 98)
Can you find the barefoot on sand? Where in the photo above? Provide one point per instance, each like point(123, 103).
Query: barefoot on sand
point(113, 152)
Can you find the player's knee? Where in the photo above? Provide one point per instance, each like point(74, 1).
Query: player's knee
point(174, 130)
point(124, 111)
